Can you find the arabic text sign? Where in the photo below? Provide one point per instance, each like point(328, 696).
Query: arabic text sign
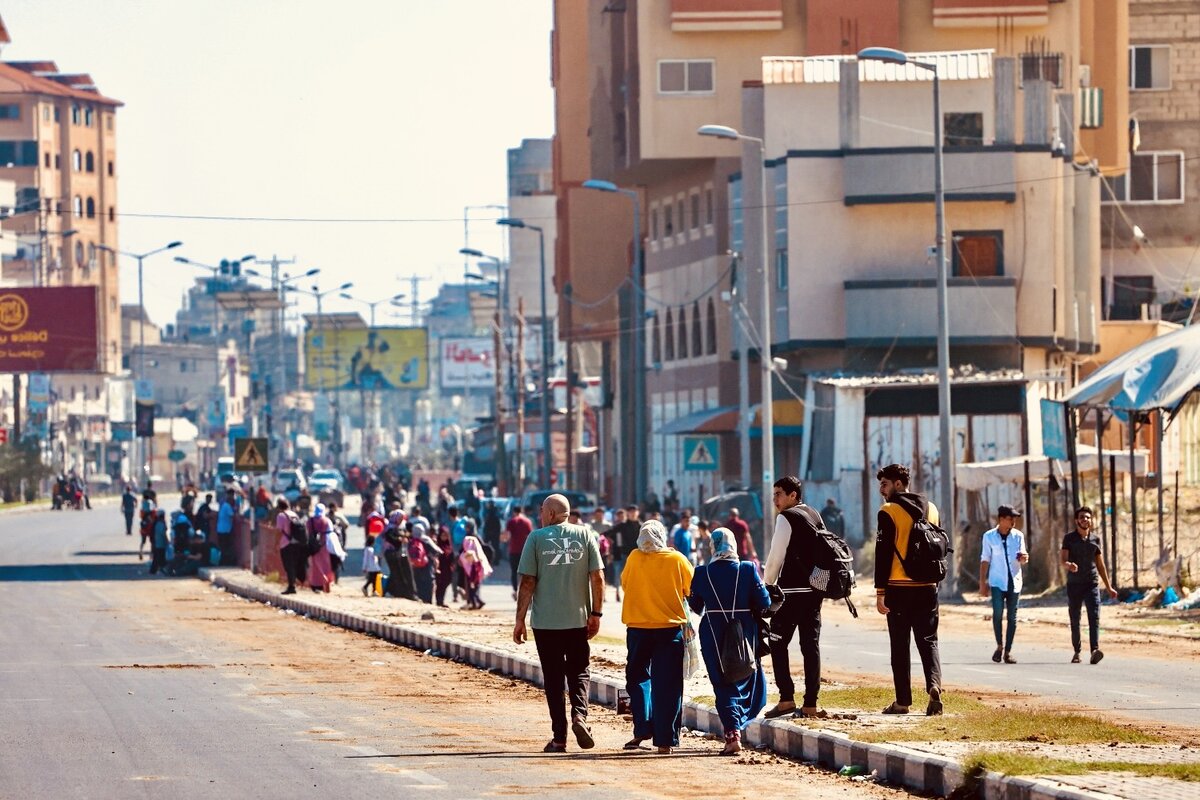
point(374, 359)
point(467, 363)
point(48, 329)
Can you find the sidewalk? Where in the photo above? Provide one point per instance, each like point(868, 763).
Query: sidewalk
point(858, 739)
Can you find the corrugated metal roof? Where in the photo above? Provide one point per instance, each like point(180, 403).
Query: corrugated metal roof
point(959, 376)
point(957, 65)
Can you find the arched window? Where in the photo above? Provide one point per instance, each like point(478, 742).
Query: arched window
point(75, 114)
point(91, 208)
point(77, 207)
point(91, 254)
point(79, 254)
point(712, 327)
point(697, 331)
point(112, 214)
point(110, 167)
point(88, 113)
point(89, 162)
point(656, 342)
point(669, 340)
point(76, 160)
point(683, 339)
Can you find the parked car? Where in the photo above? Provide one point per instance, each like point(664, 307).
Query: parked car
point(749, 506)
point(289, 483)
point(328, 485)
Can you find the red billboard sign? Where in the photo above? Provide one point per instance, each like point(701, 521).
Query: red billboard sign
point(48, 329)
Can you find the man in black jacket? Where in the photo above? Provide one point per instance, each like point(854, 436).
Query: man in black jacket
point(789, 565)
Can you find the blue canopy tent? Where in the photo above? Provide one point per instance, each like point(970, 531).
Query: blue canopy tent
point(1157, 375)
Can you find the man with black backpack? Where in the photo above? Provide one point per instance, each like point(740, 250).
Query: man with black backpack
point(790, 564)
point(910, 553)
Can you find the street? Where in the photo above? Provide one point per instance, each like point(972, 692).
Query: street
point(117, 684)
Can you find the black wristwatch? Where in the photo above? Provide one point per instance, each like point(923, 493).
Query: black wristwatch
point(596, 614)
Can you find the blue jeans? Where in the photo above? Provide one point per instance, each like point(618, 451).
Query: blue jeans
point(654, 680)
point(1000, 601)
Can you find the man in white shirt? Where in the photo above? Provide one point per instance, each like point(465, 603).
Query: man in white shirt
point(1000, 559)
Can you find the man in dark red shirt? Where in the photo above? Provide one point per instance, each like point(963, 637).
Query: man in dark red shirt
point(741, 535)
point(519, 527)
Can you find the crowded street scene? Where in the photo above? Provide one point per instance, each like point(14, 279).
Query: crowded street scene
point(691, 399)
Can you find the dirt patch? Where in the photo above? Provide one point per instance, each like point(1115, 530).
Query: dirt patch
point(158, 666)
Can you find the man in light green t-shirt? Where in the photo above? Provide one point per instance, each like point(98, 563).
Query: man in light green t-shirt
point(562, 578)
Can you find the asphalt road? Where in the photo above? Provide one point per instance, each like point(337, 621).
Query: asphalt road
point(115, 684)
point(1160, 689)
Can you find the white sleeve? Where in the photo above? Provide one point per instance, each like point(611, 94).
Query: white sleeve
point(779, 545)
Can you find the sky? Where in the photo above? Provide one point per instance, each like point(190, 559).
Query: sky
point(392, 110)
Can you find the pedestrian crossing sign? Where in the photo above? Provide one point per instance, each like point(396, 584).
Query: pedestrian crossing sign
point(250, 455)
point(701, 453)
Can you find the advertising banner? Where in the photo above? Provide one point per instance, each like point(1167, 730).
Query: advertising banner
point(1054, 430)
point(366, 358)
point(48, 329)
point(467, 363)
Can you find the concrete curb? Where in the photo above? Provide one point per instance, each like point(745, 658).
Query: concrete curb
point(917, 771)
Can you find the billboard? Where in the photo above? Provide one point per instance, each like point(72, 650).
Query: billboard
point(49, 329)
point(366, 358)
point(467, 363)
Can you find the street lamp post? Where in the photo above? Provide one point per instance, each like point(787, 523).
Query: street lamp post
point(216, 321)
point(141, 257)
point(320, 296)
point(368, 429)
point(945, 433)
point(641, 477)
point(548, 460)
point(766, 364)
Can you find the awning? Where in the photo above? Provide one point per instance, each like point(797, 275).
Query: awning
point(787, 416)
point(1160, 373)
point(979, 475)
point(722, 419)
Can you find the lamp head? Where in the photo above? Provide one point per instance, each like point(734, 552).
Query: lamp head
point(600, 186)
point(250, 257)
point(888, 55)
point(312, 272)
point(346, 285)
point(513, 222)
point(173, 245)
point(182, 260)
point(470, 251)
point(718, 131)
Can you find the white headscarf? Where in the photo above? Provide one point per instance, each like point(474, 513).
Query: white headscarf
point(723, 547)
point(652, 537)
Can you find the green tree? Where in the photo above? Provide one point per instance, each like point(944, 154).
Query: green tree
point(19, 461)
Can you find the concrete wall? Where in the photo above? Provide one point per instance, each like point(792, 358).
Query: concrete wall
point(884, 310)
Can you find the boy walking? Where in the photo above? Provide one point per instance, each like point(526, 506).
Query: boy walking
point(1000, 559)
point(1081, 557)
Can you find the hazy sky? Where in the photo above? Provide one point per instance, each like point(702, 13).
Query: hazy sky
point(361, 109)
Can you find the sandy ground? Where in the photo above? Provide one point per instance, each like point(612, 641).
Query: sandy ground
point(405, 704)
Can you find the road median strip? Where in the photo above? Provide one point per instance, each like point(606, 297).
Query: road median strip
point(892, 763)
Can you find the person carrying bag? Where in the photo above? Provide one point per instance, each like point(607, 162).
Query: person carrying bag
point(730, 593)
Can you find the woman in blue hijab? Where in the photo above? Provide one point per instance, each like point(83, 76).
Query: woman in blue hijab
point(727, 589)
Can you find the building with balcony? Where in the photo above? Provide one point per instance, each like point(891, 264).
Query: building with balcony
point(58, 144)
point(854, 291)
point(634, 80)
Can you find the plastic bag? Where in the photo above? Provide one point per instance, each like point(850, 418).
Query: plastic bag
point(691, 650)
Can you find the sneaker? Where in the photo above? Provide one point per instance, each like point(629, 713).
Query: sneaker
point(1097, 654)
point(1008, 659)
point(996, 656)
point(934, 709)
point(780, 709)
point(1075, 658)
point(583, 735)
point(555, 747)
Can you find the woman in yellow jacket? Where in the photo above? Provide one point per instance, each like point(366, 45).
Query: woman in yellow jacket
point(656, 580)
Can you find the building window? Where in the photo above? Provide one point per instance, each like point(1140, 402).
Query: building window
point(88, 113)
point(712, 327)
point(686, 77)
point(656, 342)
point(91, 255)
point(695, 211)
point(682, 333)
point(1042, 67)
point(89, 162)
point(1150, 66)
point(978, 254)
point(1152, 178)
point(668, 220)
point(91, 208)
point(669, 338)
point(10, 111)
point(1130, 294)
point(962, 128)
point(19, 154)
point(76, 160)
point(654, 224)
point(781, 269)
point(109, 166)
point(75, 114)
point(182, 366)
point(46, 160)
point(57, 161)
point(45, 113)
point(709, 211)
point(697, 330)
point(79, 254)
point(77, 207)
point(112, 214)
point(56, 117)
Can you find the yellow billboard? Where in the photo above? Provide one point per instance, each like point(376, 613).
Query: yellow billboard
point(366, 358)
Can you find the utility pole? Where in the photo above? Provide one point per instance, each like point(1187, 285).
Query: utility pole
point(519, 355)
point(279, 387)
point(570, 390)
point(498, 453)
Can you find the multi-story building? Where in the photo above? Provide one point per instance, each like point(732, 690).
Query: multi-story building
point(635, 80)
point(58, 143)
